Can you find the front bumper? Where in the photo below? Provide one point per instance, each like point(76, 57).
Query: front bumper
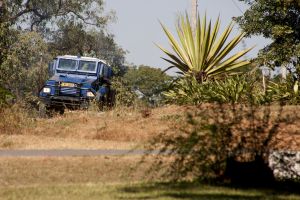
point(65, 101)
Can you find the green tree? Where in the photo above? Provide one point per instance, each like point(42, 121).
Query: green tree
point(45, 17)
point(278, 20)
point(37, 14)
point(25, 68)
point(72, 38)
point(204, 54)
point(151, 82)
point(104, 46)
point(4, 31)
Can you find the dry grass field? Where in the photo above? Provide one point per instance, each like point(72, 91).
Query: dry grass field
point(116, 129)
point(43, 171)
point(108, 177)
point(113, 177)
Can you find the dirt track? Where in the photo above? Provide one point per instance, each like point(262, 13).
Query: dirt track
point(70, 152)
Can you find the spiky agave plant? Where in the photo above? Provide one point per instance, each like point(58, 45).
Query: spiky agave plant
point(204, 54)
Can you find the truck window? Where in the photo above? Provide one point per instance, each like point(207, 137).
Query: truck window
point(88, 66)
point(67, 64)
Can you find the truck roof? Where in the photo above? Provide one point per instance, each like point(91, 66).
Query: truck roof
point(82, 58)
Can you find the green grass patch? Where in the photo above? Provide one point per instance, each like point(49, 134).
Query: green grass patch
point(138, 191)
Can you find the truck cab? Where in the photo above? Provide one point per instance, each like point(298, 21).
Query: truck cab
point(75, 81)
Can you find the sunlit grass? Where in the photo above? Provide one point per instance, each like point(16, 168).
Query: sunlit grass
point(137, 191)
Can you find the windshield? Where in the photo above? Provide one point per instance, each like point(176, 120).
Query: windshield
point(77, 67)
point(87, 66)
point(67, 64)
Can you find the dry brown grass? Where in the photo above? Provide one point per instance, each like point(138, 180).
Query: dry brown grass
point(118, 125)
point(20, 172)
point(13, 120)
point(28, 141)
point(116, 129)
point(121, 128)
point(280, 123)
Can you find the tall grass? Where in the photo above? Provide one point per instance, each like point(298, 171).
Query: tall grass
point(14, 119)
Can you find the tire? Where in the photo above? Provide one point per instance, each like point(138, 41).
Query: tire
point(43, 111)
point(101, 103)
point(111, 98)
point(60, 110)
point(48, 111)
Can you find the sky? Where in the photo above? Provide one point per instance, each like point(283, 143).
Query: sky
point(137, 28)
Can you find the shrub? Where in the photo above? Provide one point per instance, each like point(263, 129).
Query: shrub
point(5, 96)
point(25, 68)
point(236, 89)
point(200, 145)
point(284, 91)
point(124, 94)
point(148, 82)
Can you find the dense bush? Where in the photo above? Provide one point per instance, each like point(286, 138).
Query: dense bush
point(124, 94)
point(284, 91)
point(5, 97)
point(148, 81)
point(235, 89)
point(24, 71)
point(200, 145)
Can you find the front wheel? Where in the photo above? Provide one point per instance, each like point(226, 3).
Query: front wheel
point(107, 100)
point(111, 98)
point(49, 111)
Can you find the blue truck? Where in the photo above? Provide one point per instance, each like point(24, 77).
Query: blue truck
point(75, 82)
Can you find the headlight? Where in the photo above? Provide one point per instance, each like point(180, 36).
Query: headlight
point(47, 90)
point(90, 94)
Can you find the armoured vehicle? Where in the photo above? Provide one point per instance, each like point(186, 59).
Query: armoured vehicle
point(75, 81)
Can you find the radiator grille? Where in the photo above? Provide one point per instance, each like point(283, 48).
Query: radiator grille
point(69, 91)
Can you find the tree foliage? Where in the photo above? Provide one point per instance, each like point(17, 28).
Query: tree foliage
point(4, 32)
point(278, 20)
point(25, 68)
point(149, 81)
point(72, 38)
point(39, 13)
point(72, 27)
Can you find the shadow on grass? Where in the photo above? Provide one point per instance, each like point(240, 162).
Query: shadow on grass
point(193, 191)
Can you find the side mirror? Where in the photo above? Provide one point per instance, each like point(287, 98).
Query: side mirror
point(51, 67)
